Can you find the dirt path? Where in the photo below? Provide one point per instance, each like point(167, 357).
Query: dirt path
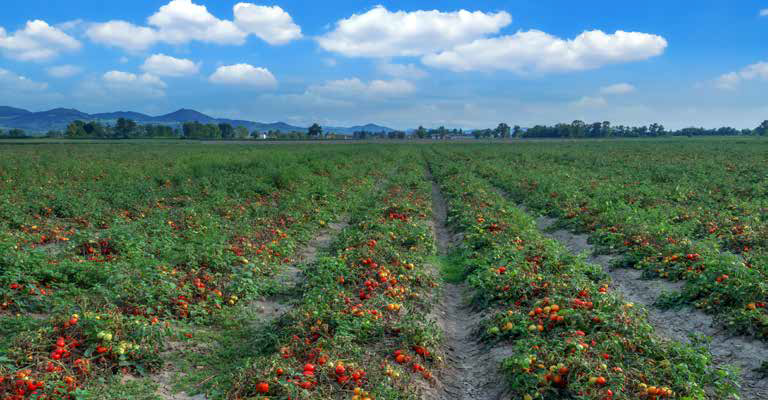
point(272, 308)
point(746, 353)
point(267, 308)
point(472, 370)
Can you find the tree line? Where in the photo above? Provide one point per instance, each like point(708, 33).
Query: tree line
point(123, 129)
point(129, 129)
point(13, 133)
point(579, 129)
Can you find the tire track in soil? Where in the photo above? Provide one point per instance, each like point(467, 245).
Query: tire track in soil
point(272, 308)
point(472, 370)
point(674, 324)
point(268, 309)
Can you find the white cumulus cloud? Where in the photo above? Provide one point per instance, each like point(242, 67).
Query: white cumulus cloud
point(271, 24)
point(764, 12)
point(382, 33)
point(133, 84)
point(163, 65)
point(404, 71)
point(355, 88)
point(536, 51)
point(618, 88)
point(38, 41)
point(63, 71)
point(731, 80)
point(10, 81)
point(244, 74)
point(124, 35)
point(182, 21)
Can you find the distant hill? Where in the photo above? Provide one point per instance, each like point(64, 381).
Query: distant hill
point(122, 114)
point(45, 120)
point(6, 112)
point(185, 115)
point(59, 118)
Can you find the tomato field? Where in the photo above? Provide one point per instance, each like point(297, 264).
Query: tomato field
point(385, 271)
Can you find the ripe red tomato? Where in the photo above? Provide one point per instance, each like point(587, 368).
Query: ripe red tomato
point(262, 387)
point(600, 381)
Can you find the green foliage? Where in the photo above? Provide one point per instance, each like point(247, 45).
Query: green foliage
point(119, 240)
point(565, 327)
point(315, 131)
point(684, 211)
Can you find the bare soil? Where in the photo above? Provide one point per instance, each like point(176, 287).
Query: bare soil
point(170, 371)
point(676, 324)
point(471, 370)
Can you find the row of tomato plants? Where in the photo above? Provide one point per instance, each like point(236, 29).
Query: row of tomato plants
point(358, 328)
point(570, 336)
point(93, 294)
point(698, 218)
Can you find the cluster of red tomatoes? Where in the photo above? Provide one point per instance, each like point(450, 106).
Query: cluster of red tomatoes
point(29, 383)
point(97, 251)
point(403, 358)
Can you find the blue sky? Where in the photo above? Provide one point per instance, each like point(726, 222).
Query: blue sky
point(398, 63)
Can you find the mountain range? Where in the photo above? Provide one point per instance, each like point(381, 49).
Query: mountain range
point(59, 118)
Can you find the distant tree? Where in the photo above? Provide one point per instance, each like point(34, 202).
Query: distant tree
point(17, 133)
point(517, 131)
point(657, 129)
point(151, 130)
point(95, 129)
point(196, 130)
point(3, 134)
point(189, 129)
point(75, 130)
point(605, 129)
point(125, 128)
point(241, 132)
point(578, 129)
point(212, 131)
point(54, 134)
point(762, 130)
point(227, 131)
point(502, 131)
point(421, 133)
point(315, 131)
point(140, 132)
point(595, 130)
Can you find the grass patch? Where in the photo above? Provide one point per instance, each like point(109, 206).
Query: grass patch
point(451, 268)
point(235, 339)
point(115, 388)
